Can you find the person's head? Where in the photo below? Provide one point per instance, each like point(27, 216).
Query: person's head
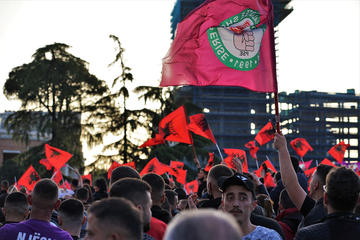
point(123, 172)
point(16, 208)
point(213, 177)
point(82, 194)
point(203, 225)
point(202, 174)
point(86, 181)
point(172, 198)
point(157, 187)
point(4, 185)
point(90, 192)
point(100, 185)
point(295, 163)
point(71, 216)
point(138, 192)
point(238, 197)
point(318, 180)
point(285, 201)
point(44, 197)
point(114, 219)
point(341, 190)
point(74, 184)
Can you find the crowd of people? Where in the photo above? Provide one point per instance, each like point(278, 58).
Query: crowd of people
point(230, 204)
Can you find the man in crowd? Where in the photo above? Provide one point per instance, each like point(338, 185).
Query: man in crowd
point(4, 186)
point(114, 219)
point(71, 217)
point(238, 199)
point(43, 199)
point(172, 198)
point(16, 208)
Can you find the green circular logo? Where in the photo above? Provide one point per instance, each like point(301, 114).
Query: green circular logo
point(236, 41)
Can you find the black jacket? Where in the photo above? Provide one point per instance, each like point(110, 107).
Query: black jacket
point(343, 226)
point(161, 214)
point(316, 215)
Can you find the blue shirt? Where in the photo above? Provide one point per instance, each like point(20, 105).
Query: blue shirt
point(262, 233)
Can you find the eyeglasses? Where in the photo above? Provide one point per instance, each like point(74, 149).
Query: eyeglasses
point(325, 188)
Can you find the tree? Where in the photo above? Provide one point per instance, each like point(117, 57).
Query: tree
point(55, 90)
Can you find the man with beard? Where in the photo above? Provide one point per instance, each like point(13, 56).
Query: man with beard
point(139, 193)
point(238, 199)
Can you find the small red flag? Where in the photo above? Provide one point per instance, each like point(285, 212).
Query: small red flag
point(338, 151)
point(192, 187)
point(56, 157)
point(309, 174)
point(154, 166)
point(327, 162)
point(180, 174)
point(268, 164)
point(177, 164)
point(200, 126)
point(232, 153)
point(46, 163)
point(266, 134)
point(301, 146)
point(252, 148)
point(306, 164)
point(173, 127)
point(210, 162)
point(158, 139)
point(268, 180)
point(57, 177)
point(29, 178)
point(87, 177)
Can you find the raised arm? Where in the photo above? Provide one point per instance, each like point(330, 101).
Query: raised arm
point(288, 174)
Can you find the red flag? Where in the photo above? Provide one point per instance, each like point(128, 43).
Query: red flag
point(177, 164)
point(224, 43)
point(338, 151)
point(192, 187)
point(87, 177)
point(56, 157)
point(173, 127)
point(301, 146)
point(116, 164)
point(158, 139)
point(154, 166)
point(252, 148)
point(232, 153)
point(129, 164)
point(268, 180)
point(266, 134)
point(306, 165)
point(180, 174)
point(66, 185)
point(57, 177)
point(210, 162)
point(200, 126)
point(268, 164)
point(46, 163)
point(327, 162)
point(29, 178)
point(309, 174)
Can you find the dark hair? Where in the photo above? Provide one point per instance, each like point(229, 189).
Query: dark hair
point(181, 193)
point(322, 171)
point(5, 184)
point(75, 182)
point(101, 184)
point(16, 203)
point(131, 189)
point(277, 176)
point(157, 185)
point(82, 194)
point(342, 187)
point(86, 181)
point(285, 200)
point(90, 192)
point(45, 194)
point(295, 163)
point(219, 171)
point(118, 215)
point(170, 195)
point(72, 211)
point(123, 172)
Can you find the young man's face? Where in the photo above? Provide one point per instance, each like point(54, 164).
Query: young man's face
point(238, 201)
point(94, 231)
point(146, 212)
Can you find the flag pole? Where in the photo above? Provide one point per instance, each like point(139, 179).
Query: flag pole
point(257, 163)
point(222, 159)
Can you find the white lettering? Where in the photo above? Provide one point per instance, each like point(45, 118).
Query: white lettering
point(21, 236)
point(213, 35)
point(220, 51)
point(224, 56)
point(215, 42)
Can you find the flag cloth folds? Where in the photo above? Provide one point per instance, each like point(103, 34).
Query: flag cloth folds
point(264, 166)
point(306, 165)
point(46, 163)
point(192, 187)
point(224, 43)
point(56, 157)
point(178, 173)
point(301, 146)
point(232, 153)
point(338, 151)
point(252, 148)
point(177, 164)
point(57, 177)
point(327, 162)
point(268, 180)
point(29, 178)
point(154, 166)
point(210, 162)
point(173, 127)
point(266, 134)
point(88, 176)
point(158, 139)
point(200, 126)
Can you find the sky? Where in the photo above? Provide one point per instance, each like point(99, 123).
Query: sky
point(318, 45)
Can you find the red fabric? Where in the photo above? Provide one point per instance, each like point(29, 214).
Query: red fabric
point(199, 57)
point(192, 187)
point(157, 228)
point(232, 153)
point(289, 234)
point(56, 157)
point(129, 164)
point(154, 166)
point(87, 177)
point(200, 126)
point(210, 162)
point(307, 164)
point(112, 167)
point(57, 177)
point(158, 139)
point(338, 151)
point(266, 134)
point(301, 146)
point(268, 180)
point(46, 163)
point(309, 174)
point(177, 164)
point(269, 165)
point(252, 148)
point(327, 162)
point(29, 178)
point(180, 174)
point(173, 127)
point(66, 185)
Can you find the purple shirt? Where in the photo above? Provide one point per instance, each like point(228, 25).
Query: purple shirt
point(33, 229)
